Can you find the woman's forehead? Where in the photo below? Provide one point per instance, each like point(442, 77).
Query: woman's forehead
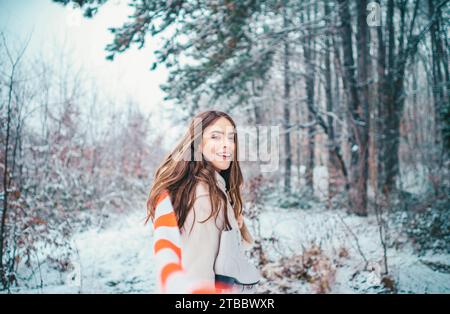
point(222, 126)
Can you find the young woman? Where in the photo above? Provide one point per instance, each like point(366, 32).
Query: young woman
point(199, 183)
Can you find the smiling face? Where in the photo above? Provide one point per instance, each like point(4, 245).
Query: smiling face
point(218, 143)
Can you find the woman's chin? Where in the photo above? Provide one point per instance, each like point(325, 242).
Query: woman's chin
point(224, 165)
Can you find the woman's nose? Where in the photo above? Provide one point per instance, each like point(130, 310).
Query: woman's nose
point(227, 142)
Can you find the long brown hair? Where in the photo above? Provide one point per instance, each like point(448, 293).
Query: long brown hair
point(180, 172)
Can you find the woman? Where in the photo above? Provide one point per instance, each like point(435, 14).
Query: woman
point(203, 180)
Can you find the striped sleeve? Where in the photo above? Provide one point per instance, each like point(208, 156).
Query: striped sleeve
point(167, 249)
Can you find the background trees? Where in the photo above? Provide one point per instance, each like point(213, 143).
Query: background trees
point(360, 90)
point(68, 159)
point(230, 53)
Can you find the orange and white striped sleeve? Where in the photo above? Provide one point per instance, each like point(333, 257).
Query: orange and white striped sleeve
point(167, 249)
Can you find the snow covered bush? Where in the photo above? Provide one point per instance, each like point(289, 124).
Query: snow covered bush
point(312, 266)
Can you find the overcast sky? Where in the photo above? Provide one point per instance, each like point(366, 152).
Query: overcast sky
point(53, 26)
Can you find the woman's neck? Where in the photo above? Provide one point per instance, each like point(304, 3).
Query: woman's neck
point(220, 181)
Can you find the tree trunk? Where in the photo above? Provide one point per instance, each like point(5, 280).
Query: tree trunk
point(332, 162)
point(363, 111)
point(6, 183)
point(380, 115)
point(357, 125)
point(440, 79)
point(286, 110)
point(308, 53)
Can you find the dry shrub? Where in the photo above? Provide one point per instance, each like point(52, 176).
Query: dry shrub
point(313, 266)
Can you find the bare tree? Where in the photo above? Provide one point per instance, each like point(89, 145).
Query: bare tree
point(10, 145)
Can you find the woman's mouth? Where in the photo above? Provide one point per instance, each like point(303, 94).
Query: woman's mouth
point(224, 156)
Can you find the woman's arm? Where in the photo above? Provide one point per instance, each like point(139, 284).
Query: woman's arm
point(171, 273)
point(244, 231)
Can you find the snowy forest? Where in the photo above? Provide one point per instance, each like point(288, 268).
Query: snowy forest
point(358, 201)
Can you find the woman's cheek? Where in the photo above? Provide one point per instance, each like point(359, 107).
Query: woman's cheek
point(211, 151)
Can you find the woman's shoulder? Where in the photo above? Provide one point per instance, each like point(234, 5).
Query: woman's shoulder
point(202, 203)
point(201, 189)
point(202, 207)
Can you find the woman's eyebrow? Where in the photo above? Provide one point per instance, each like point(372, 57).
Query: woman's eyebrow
point(220, 132)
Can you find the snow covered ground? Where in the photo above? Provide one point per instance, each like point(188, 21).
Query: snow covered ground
point(118, 259)
point(331, 230)
point(114, 259)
